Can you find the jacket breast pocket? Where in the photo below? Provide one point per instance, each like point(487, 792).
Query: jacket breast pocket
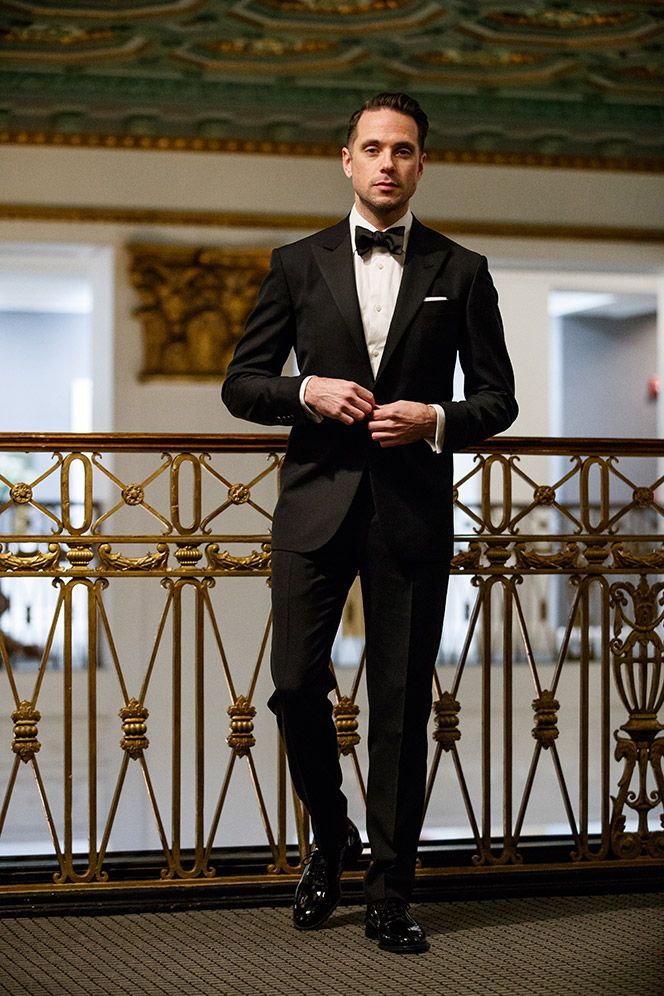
point(436, 330)
point(437, 312)
point(432, 302)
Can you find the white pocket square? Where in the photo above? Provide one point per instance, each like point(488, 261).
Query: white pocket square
point(435, 299)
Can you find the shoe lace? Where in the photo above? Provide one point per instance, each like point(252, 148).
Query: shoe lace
point(317, 865)
point(393, 909)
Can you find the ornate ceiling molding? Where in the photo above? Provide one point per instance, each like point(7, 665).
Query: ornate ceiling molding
point(56, 45)
point(339, 16)
point(546, 83)
point(581, 29)
point(247, 56)
point(477, 156)
point(119, 10)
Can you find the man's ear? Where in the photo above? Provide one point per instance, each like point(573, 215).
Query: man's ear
point(346, 160)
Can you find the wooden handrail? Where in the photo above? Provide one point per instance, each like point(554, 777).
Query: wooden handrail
point(131, 442)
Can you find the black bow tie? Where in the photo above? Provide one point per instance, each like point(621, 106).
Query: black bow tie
point(392, 240)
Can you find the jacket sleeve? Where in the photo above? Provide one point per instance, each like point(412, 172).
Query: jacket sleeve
point(490, 406)
point(255, 387)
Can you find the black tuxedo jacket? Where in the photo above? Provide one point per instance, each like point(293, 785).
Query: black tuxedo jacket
point(447, 307)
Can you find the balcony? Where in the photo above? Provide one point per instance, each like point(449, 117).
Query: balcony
point(140, 758)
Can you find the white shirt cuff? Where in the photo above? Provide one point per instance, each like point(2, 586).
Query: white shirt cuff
point(314, 416)
point(436, 443)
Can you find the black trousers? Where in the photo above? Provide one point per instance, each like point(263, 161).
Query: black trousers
point(403, 608)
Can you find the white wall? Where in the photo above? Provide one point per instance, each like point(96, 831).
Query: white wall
point(265, 184)
point(234, 182)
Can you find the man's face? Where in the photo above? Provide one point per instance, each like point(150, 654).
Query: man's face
point(384, 164)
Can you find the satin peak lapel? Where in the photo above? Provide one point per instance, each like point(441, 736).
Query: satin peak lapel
point(423, 261)
point(335, 262)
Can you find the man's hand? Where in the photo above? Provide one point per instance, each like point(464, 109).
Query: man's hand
point(402, 422)
point(340, 399)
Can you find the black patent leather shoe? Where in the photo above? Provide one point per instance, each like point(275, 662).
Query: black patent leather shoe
point(390, 923)
point(318, 891)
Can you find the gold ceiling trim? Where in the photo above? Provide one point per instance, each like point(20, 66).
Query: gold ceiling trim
point(39, 34)
point(298, 63)
point(632, 79)
point(172, 143)
point(379, 16)
point(126, 12)
point(599, 36)
point(309, 222)
point(132, 46)
point(504, 72)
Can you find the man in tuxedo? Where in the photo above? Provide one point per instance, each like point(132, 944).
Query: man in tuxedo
point(376, 308)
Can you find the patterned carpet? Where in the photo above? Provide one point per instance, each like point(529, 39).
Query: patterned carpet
point(562, 946)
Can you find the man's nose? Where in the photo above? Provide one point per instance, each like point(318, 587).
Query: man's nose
point(387, 162)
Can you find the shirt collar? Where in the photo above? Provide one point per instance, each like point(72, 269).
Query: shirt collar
point(355, 218)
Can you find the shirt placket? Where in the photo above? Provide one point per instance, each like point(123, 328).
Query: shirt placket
point(378, 311)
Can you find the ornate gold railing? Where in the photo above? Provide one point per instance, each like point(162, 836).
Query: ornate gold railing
point(153, 552)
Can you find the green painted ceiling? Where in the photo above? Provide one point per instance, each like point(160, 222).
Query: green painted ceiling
point(564, 83)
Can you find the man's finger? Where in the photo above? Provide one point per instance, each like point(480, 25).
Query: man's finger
point(378, 425)
point(364, 407)
point(365, 394)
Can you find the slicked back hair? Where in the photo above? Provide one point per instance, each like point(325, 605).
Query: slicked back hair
point(400, 102)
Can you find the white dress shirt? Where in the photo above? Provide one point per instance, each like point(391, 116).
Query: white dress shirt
point(377, 279)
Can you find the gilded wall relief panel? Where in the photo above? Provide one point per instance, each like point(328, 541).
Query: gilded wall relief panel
point(194, 303)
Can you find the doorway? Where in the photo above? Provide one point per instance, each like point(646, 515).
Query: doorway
point(55, 340)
